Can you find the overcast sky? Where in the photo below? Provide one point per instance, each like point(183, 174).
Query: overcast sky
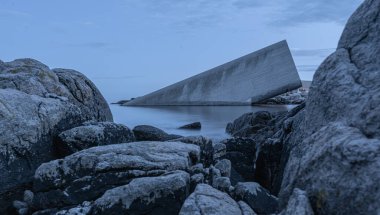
point(131, 47)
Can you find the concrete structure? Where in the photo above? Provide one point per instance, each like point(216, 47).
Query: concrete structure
point(257, 76)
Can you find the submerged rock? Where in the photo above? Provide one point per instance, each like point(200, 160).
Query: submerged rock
point(86, 175)
point(150, 133)
point(163, 194)
point(207, 200)
point(192, 126)
point(36, 104)
point(90, 135)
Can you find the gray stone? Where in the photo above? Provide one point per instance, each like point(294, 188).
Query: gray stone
point(195, 180)
point(87, 174)
point(207, 200)
point(197, 168)
point(35, 105)
point(206, 145)
point(150, 133)
point(82, 209)
point(223, 85)
point(257, 197)
point(192, 126)
point(90, 135)
point(222, 184)
point(164, 194)
point(245, 209)
point(224, 166)
point(340, 165)
point(298, 204)
point(334, 152)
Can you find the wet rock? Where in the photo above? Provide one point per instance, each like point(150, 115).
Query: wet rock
point(163, 194)
point(150, 133)
point(298, 204)
point(257, 197)
point(86, 175)
point(192, 126)
point(207, 200)
point(36, 104)
point(90, 135)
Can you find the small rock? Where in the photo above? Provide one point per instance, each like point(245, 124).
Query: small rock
point(298, 204)
point(257, 197)
point(222, 184)
point(197, 168)
point(207, 200)
point(192, 126)
point(246, 210)
point(224, 166)
point(195, 180)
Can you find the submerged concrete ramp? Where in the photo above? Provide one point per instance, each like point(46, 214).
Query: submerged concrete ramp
point(255, 77)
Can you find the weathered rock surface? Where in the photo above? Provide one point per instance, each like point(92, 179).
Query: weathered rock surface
point(257, 197)
point(163, 194)
point(36, 104)
point(207, 147)
point(150, 133)
point(86, 175)
point(90, 135)
point(290, 98)
point(207, 200)
point(298, 204)
point(193, 126)
point(334, 154)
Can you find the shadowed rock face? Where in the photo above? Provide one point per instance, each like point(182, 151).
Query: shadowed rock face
point(151, 133)
point(36, 104)
point(335, 149)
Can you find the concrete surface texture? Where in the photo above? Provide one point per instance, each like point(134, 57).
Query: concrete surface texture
point(257, 76)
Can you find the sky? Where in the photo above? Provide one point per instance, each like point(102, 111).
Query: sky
point(131, 47)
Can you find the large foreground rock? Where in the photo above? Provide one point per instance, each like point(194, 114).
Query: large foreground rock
point(86, 175)
point(163, 194)
point(90, 135)
point(36, 104)
point(334, 154)
point(207, 200)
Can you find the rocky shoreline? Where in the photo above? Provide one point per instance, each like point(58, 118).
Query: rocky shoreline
point(60, 152)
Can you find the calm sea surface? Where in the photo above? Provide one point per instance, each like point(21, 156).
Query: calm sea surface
point(213, 118)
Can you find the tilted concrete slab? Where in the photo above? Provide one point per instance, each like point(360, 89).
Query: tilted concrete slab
point(255, 77)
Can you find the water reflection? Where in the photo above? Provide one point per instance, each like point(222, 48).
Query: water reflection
point(213, 118)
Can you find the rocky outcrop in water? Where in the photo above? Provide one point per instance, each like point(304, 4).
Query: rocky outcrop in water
point(192, 126)
point(151, 133)
point(36, 104)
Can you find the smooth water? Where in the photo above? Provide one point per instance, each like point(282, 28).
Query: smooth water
point(168, 118)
